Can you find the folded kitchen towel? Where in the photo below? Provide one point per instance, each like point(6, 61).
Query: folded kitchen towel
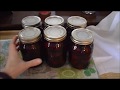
point(106, 53)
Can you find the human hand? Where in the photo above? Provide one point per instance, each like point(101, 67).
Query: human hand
point(15, 65)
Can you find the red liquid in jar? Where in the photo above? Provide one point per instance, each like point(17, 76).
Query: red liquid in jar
point(31, 51)
point(80, 55)
point(55, 53)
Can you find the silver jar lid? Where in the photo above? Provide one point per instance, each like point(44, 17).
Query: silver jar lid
point(29, 35)
point(54, 20)
point(82, 36)
point(55, 33)
point(77, 21)
point(32, 21)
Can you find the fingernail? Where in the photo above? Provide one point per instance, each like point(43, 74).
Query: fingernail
point(39, 60)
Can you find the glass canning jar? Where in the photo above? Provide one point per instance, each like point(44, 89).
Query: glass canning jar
point(81, 48)
point(55, 46)
point(30, 43)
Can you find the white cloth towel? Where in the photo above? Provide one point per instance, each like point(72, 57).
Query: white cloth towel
point(106, 53)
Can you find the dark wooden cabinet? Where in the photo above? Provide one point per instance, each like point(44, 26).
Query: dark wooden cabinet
point(12, 20)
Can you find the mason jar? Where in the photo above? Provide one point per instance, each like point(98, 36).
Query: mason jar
point(53, 20)
point(81, 48)
point(30, 43)
point(55, 46)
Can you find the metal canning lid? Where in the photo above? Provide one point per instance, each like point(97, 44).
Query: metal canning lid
point(31, 21)
point(29, 35)
point(82, 36)
point(55, 33)
point(54, 20)
point(77, 21)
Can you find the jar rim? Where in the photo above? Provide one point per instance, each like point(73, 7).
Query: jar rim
point(29, 34)
point(55, 33)
point(54, 20)
point(31, 21)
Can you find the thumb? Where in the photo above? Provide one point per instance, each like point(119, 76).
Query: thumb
point(33, 62)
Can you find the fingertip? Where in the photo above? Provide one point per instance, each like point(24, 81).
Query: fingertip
point(38, 60)
point(16, 36)
point(33, 62)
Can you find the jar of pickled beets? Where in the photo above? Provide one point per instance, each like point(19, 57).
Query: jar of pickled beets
point(30, 43)
point(55, 46)
point(81, 48)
